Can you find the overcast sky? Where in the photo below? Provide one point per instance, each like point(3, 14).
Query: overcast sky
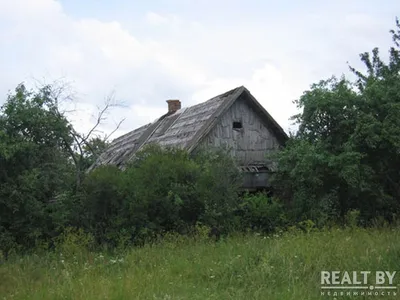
point(151, 51)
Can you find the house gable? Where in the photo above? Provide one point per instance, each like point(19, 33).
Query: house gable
point(244, 131)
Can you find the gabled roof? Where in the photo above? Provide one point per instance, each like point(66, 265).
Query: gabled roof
point(184, 128)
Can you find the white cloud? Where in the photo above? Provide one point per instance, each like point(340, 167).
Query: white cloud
point(178, 56)
point(267, 84)
point(38, 10)
point(156, 19)
point(97, 56)
point(116, 45)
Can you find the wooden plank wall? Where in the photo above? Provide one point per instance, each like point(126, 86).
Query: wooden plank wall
point(248, 145)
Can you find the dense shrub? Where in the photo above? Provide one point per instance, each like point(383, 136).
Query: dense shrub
point(262, 213)
point(103, 205)
point(161, 190)
point(164, 186)
point(217, 189)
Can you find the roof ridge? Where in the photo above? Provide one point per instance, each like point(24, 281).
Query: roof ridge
point(190, 127)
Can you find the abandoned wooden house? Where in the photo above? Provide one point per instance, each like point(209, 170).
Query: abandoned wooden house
point(234, 120)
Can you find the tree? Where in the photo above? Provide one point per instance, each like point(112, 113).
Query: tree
point(345, 154)
point(34, 163)
point(42, 157)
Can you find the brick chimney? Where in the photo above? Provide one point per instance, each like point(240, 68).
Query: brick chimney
point(173, 105)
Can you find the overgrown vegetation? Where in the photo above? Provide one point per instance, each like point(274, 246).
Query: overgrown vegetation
point(281, 266)
point(346, 153)
point(162, 190)
point(341, 167)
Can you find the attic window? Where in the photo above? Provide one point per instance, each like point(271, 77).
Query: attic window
point(237, 125)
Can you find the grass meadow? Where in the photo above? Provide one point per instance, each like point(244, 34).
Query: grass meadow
point(251, 266)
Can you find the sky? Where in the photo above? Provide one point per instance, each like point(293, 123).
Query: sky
point(145, 52)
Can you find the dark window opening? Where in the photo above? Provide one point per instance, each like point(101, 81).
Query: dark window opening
point(237, 125)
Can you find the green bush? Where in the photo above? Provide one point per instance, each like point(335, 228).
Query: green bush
point(160, 191)
point(218, 189)
point(163, 186)
point(262, 213)
point(72, 242)
point(352, 218)
point(102, 204)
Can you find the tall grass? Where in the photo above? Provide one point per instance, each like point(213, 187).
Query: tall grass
point(280, 267)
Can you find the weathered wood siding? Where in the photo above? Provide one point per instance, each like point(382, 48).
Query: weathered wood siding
point(248, 145)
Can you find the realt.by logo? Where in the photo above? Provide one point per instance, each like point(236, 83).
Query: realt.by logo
point(361, 282)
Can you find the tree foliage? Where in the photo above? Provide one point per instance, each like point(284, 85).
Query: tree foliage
point(42, 158)
point(346, 153)
point(34, 165)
